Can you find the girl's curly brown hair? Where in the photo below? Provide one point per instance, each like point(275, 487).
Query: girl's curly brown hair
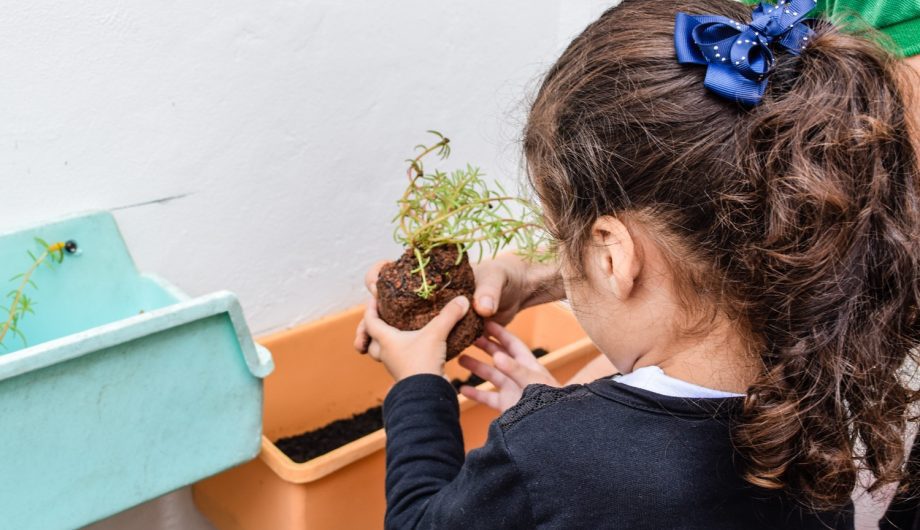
point(799, 218)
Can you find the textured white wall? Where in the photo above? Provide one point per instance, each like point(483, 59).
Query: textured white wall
point(258, 145)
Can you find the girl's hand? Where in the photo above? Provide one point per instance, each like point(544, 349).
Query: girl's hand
point(515, 368)
point(507, 284)
point(407, 353)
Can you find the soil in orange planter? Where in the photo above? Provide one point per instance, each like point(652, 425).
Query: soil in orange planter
point(400, 306)
point(311, 444)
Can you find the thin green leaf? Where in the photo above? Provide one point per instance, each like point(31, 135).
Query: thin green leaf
point(19, 334)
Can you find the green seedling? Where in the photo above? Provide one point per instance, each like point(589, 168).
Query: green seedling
point(459, 208)
point(20, 303)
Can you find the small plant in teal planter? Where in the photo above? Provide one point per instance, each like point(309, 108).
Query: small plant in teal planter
point(135, 375)
point(443, 216)
point(20, 303)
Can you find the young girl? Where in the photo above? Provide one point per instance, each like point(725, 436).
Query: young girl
point(736, 201)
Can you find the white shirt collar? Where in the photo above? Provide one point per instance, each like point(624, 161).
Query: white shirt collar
point(653, 379)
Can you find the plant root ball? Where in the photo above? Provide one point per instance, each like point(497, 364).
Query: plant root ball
point(400, 306)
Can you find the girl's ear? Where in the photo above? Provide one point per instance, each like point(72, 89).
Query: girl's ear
point(615, 255)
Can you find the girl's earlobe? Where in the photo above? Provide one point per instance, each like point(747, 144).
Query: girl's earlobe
point(619, 261)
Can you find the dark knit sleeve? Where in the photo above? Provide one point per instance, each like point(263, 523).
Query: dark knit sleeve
point(904, 511)
point(428, 484)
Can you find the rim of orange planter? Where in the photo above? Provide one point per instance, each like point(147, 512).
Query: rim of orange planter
point(336, 459)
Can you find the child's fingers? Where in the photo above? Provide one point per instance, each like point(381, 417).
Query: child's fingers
point(370, 278)
point(506, 338)
point(487, 345)
point(517, 372)
point(487, 398)
point(362, 340)
point(450, 314)
point(373, 350)
point(483, 370)
point(373, 324)
point(523, 356)
point(512, 345)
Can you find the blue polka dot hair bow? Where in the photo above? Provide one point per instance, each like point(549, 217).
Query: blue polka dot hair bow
point(738, 56)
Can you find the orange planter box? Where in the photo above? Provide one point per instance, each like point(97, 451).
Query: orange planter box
point(319, 378)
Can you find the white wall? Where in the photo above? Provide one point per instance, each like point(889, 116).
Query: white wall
point(258, 145)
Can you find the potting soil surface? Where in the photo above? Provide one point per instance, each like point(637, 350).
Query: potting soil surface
point(311, 444)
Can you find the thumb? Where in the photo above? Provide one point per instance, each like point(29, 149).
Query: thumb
point(370, 278)
point(488, 292)
point(450, 314)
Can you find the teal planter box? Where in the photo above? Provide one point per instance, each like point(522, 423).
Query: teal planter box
point(127, 389)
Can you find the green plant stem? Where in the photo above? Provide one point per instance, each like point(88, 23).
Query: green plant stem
point(443, 217)
point(424, 290)
point(22, 286)
point(414, 166)
point(438, 241)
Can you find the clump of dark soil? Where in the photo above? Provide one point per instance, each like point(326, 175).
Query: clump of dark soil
point(400, 306)
point(311, 444)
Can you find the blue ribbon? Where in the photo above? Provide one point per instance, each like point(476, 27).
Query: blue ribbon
point(738, 56)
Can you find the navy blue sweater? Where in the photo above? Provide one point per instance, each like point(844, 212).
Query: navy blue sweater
point(603, 455)
point(904, 511)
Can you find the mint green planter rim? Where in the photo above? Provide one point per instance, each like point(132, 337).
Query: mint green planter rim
point(258, 359)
